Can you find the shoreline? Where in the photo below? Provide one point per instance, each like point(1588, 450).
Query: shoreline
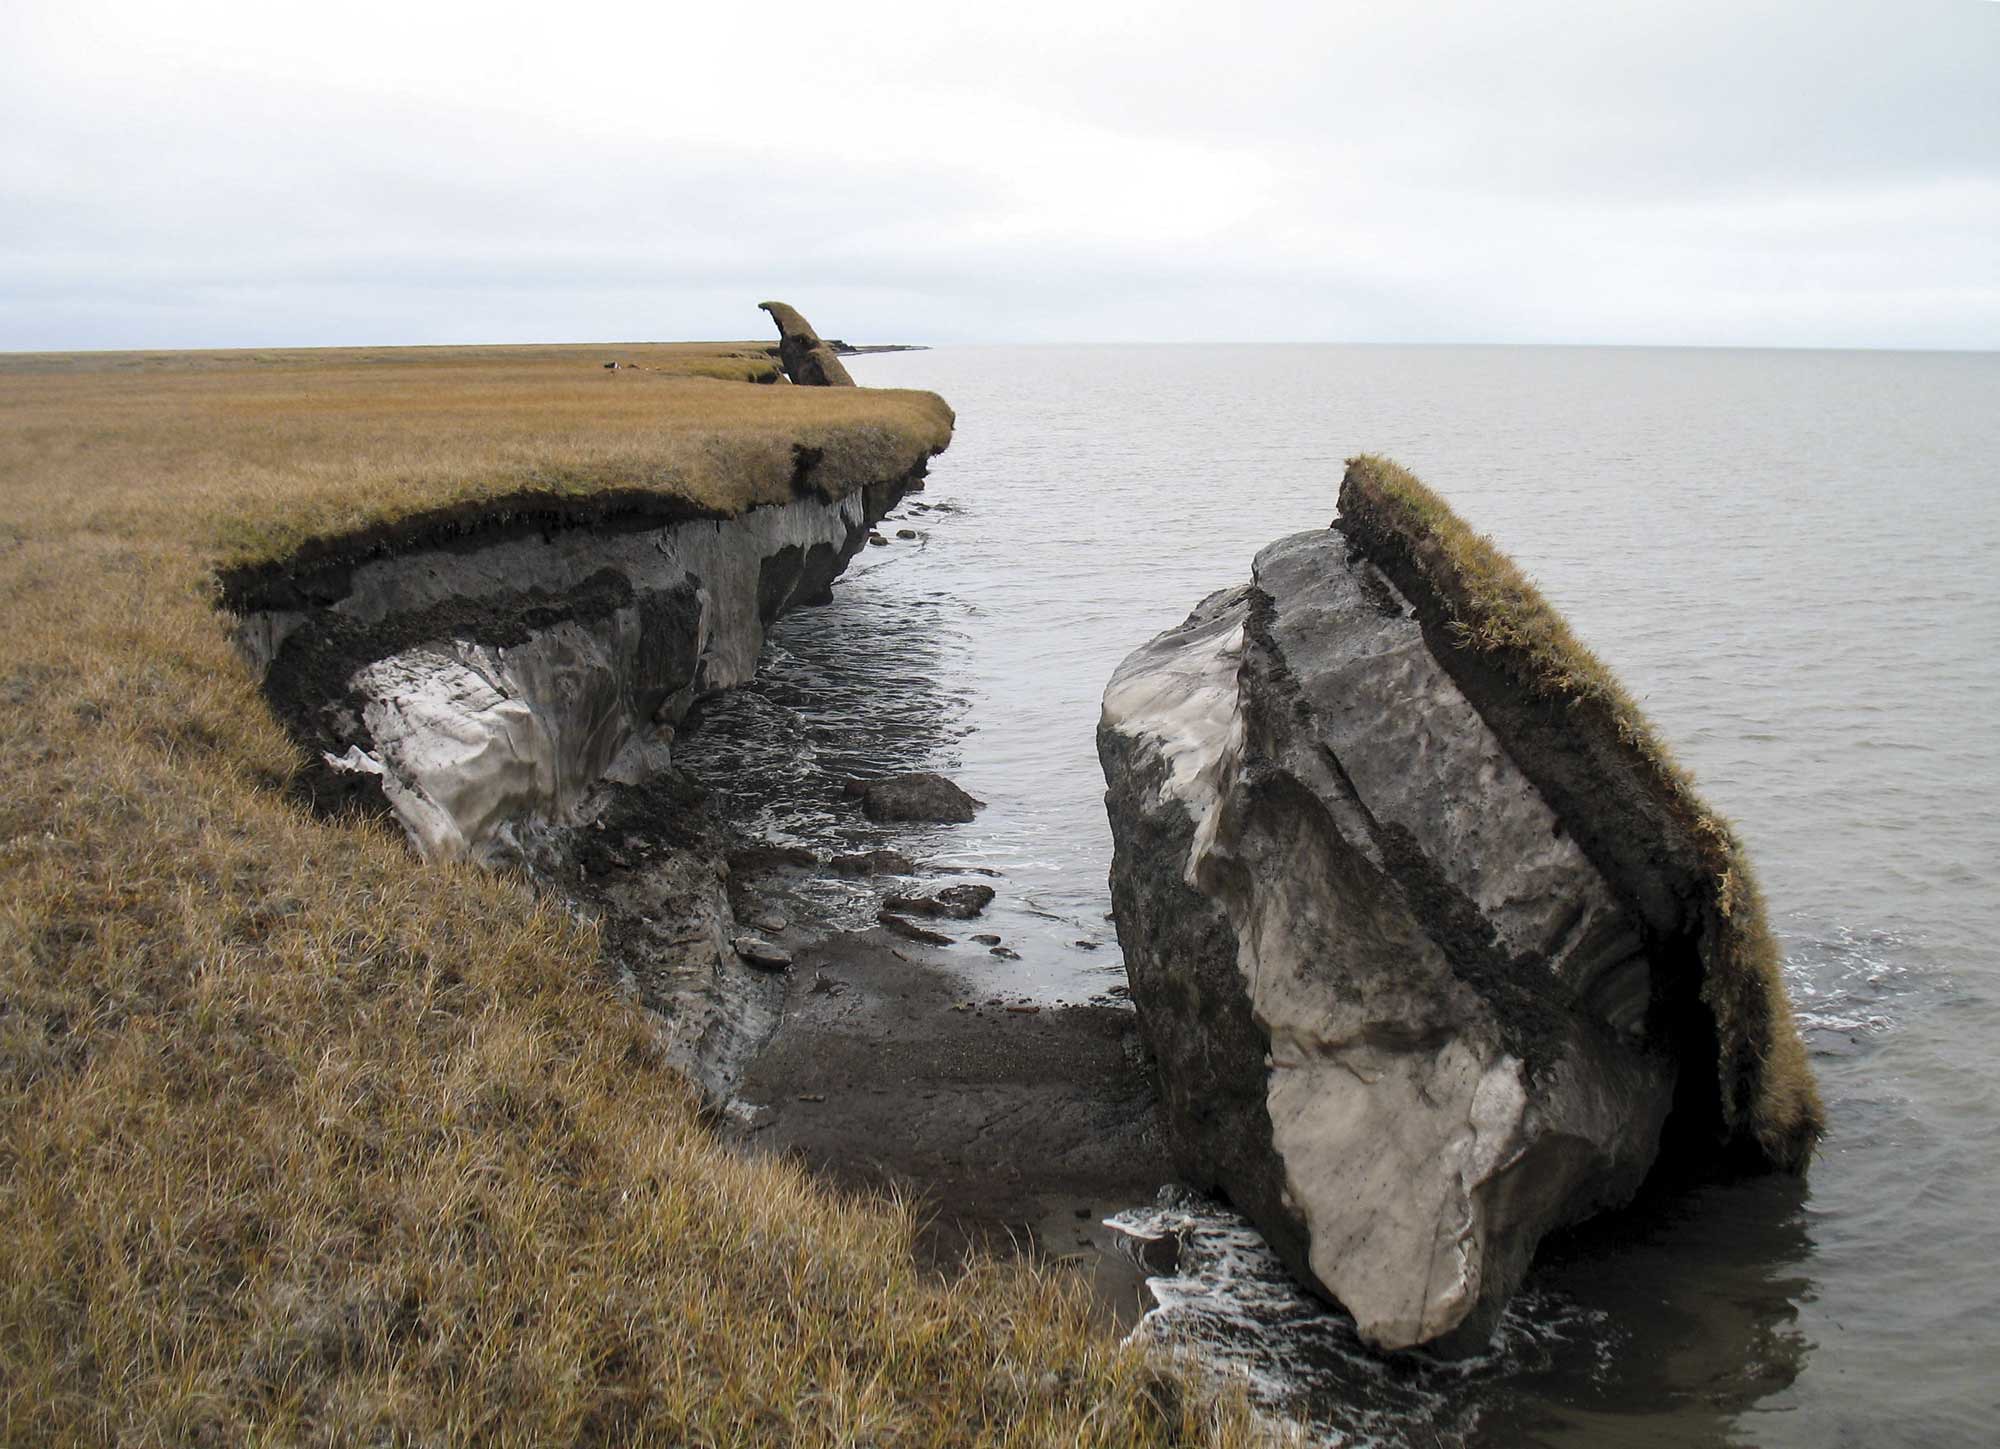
point(1014, 1131)
point(887, 1066)
point(291, 1115)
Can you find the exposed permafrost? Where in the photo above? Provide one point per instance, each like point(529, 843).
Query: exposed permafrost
point(512, 694)
point(1325, 857)
point(1185, 705)
point(528, 671)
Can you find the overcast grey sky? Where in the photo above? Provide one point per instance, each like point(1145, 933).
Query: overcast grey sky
point(1783, 172)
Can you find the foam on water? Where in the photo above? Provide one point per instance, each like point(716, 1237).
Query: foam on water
point(1569, 1341)
point(1231, 1306)
point(1847, 983)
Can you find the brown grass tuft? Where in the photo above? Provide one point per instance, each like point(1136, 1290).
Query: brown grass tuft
point(300, 1140)
point(1766, 1084)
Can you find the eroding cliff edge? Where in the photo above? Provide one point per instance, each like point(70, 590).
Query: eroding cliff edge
point(506, 685)
point(1434, 947)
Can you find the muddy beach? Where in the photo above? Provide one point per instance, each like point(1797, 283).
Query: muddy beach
point(1018, 1127)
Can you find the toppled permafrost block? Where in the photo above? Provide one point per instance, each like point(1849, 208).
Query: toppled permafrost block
point(1435, 948)
point(806, 358)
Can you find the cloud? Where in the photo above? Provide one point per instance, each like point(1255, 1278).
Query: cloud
point(1815, 172)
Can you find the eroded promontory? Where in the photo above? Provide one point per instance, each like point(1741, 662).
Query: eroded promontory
point(1436, 947)
point(504, 678)
point(306, 1139)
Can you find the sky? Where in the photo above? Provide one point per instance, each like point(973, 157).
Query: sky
point(1754, 172)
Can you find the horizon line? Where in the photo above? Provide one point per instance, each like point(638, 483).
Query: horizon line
point(996, 343)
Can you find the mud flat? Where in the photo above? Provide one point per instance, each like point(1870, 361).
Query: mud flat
point(1020, 1128)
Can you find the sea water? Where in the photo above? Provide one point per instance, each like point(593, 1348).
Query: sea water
point(1788, 557)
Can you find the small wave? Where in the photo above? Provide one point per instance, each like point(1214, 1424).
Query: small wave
point(1229, 1305)
point(1850, 986)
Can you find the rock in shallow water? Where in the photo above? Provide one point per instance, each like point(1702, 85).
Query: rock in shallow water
point(1403, 1019)
point(874, 862)
point(920, 797)
point(960, 902)
point(908, 929)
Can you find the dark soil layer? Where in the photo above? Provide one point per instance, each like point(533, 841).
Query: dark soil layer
point(319, 571)
point(308, 681)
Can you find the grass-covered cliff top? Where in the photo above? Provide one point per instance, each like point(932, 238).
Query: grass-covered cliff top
point(303, 1141)
point(261, 452)
point(1766, 1088)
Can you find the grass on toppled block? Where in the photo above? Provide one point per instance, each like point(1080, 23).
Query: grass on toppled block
point(302, 1141)
point(1767, 1084)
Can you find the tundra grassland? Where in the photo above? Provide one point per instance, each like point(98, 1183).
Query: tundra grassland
point(304, 1141)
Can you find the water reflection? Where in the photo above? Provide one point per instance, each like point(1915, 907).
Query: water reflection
point(880, 682)
point(850, 689)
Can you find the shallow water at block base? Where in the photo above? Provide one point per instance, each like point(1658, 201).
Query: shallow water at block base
point(1786, 556)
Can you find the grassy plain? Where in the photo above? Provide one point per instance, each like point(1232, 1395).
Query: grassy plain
point(303, 1141)
point(1497, 611)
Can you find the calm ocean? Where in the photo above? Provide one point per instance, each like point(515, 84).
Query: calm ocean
point(1789, 557)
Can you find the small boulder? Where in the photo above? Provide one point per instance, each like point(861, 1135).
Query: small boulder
point(762, 954)
point(960, 902)
point(874, 862)
point(764, 856)
point(921, 796)
point(909, 930)
point(963, 902)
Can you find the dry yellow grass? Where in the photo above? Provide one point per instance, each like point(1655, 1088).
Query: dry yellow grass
point(271, 450)
point(1766, 1083)
point(301, 1141)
